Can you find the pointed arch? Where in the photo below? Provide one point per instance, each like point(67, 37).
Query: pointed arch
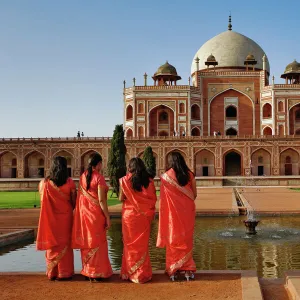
point(195, 112)
point(233, 162)
point(204, 163)
point(267, 111)
point(231, 131)
point(289, 162)
point(261, 162)
point(129, 112)
point(34, 164)
point(234, 89)
point(195, 131)
point(129, 133)
point(267, 130)
point(8, 164)
point(245, 120)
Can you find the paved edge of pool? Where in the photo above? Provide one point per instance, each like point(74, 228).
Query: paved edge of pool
point(249, 281)
point(16, 236)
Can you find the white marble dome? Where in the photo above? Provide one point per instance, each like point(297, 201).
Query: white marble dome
point(230, 49)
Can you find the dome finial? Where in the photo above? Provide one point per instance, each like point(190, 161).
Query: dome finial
point(229, 23)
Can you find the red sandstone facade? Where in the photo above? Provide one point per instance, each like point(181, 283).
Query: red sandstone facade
point(229, 92)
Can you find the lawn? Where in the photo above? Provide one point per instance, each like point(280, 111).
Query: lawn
point(29, 199)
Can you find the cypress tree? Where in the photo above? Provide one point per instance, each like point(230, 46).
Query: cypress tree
point(149, 161)
point(116, 159)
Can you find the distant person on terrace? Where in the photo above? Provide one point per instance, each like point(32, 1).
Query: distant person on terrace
point(177, 217)
point(58, 196)
point(139, 197)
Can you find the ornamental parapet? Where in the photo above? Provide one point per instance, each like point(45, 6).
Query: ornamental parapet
point(56, 139)
point(228, 73)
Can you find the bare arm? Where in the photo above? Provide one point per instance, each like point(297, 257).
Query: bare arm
point(122, 195)
point(194, 187)
point(102, 195)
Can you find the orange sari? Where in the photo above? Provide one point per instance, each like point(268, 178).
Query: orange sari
point(176, 223)
point(137, 214)
point(55, 228)
point(89, 233)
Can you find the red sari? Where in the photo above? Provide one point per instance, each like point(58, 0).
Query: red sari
point(55, 227)
point(176, 223)
point(137, 214)
point(89, 233)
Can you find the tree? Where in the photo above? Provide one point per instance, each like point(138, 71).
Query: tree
point(149, 161)
point(116, 160)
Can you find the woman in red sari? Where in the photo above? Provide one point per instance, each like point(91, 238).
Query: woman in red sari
point(91, 221)
point(58, 195)
point(139, 197)
point(177, 217)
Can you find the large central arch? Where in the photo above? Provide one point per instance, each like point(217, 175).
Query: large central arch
point(244, 119)
point(232, 163)
point(161, 121)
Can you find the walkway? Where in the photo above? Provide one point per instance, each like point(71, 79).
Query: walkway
point(272, 200)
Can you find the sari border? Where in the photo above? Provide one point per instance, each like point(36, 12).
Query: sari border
point(88, 196)
point(137, 265)
point(182, 189)
point(90, 254)
point(57, 189)
point(56, 260)
point(180, 262)
point(124, 183)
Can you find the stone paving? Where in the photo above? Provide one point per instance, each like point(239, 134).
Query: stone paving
point(209, 202)
point(272, 200)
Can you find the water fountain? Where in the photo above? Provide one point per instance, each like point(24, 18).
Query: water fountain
point(251, 223)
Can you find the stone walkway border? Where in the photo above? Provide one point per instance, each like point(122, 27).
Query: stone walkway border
point(250, 284)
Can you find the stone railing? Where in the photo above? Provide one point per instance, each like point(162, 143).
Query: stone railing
point(56, 139)
point(159, 138)
point(214, 138)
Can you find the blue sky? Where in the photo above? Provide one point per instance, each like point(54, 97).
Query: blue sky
point(62, 63)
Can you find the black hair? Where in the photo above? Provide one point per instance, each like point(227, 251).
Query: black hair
point(140, 177)
point(178, 164)
point(93, 162)
point(59, 171)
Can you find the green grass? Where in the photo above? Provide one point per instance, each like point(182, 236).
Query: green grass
point(29, 199)
point(295, 189)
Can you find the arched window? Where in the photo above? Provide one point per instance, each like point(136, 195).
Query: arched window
point(141, 108)
point(267, 131)
point(280, 106)
point(297, 115)
point(181, 108)
point(195, 112)
point(195, 131)
point(129, 133)
point(288, 160)
point(231, 112)
point(231, 131)
point(129, 112)
point(141, 131)
point(260, 160)
point(41, 162)
point(267, 111)
point(163, 117)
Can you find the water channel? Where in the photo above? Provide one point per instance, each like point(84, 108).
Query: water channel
point(220, 244)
